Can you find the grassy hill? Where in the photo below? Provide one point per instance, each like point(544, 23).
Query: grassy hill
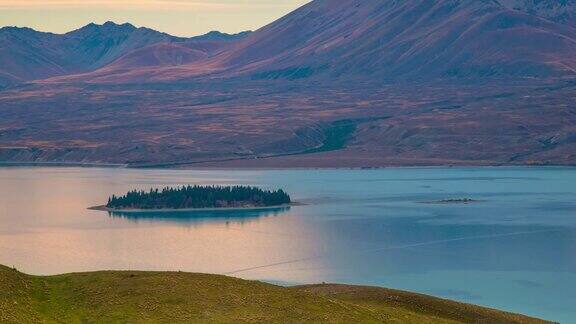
point(126, 296)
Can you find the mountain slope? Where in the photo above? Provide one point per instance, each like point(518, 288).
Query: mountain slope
point(162, 54)
point(409, 39)
point(397, 39)
point(174, 54)
point(27, 54)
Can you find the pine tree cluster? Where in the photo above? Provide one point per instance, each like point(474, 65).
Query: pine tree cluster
point(199, 197)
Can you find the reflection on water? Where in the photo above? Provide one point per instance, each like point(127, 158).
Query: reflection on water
point(198, 216)
point(515, 251)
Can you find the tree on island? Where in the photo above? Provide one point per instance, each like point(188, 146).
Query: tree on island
point(189, 197)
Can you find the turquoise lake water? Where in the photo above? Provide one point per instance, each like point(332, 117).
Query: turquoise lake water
point(514, 250)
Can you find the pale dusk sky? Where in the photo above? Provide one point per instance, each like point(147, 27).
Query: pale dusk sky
point(176, 17)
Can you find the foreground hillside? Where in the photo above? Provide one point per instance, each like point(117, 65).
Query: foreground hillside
point(185, 297)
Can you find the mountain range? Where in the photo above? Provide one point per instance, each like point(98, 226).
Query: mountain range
point(392, 39)
point(27, 54)
point(334, 83)
point(367, 38)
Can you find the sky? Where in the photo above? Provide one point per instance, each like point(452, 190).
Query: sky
point(176, 17)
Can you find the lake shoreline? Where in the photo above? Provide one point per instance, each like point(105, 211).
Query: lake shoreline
point(8, 164)
point(204, 166)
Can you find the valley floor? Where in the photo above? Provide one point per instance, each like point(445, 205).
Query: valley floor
point(300, 124)
point(121, 296)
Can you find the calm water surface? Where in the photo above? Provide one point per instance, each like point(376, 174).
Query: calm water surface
point(515, 250)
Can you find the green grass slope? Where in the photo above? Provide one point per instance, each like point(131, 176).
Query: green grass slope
point(141, 297)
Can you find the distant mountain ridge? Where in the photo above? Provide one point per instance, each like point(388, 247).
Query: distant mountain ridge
point(27, 54)
point(95, 45)
point(219, 36)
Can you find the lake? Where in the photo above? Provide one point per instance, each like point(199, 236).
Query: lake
point(515, 249)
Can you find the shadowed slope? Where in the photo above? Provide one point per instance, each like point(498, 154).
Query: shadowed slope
point(173, 54)
point(28, 54)
point(7, 80)
point(163, 54)
point(184, 297)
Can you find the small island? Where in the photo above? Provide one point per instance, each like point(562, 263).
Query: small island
point(453, 201)
point(197, 198)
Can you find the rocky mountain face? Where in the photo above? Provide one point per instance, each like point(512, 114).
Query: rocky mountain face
point(560, 11)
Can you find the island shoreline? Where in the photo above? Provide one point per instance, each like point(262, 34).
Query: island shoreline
point(172, 210)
